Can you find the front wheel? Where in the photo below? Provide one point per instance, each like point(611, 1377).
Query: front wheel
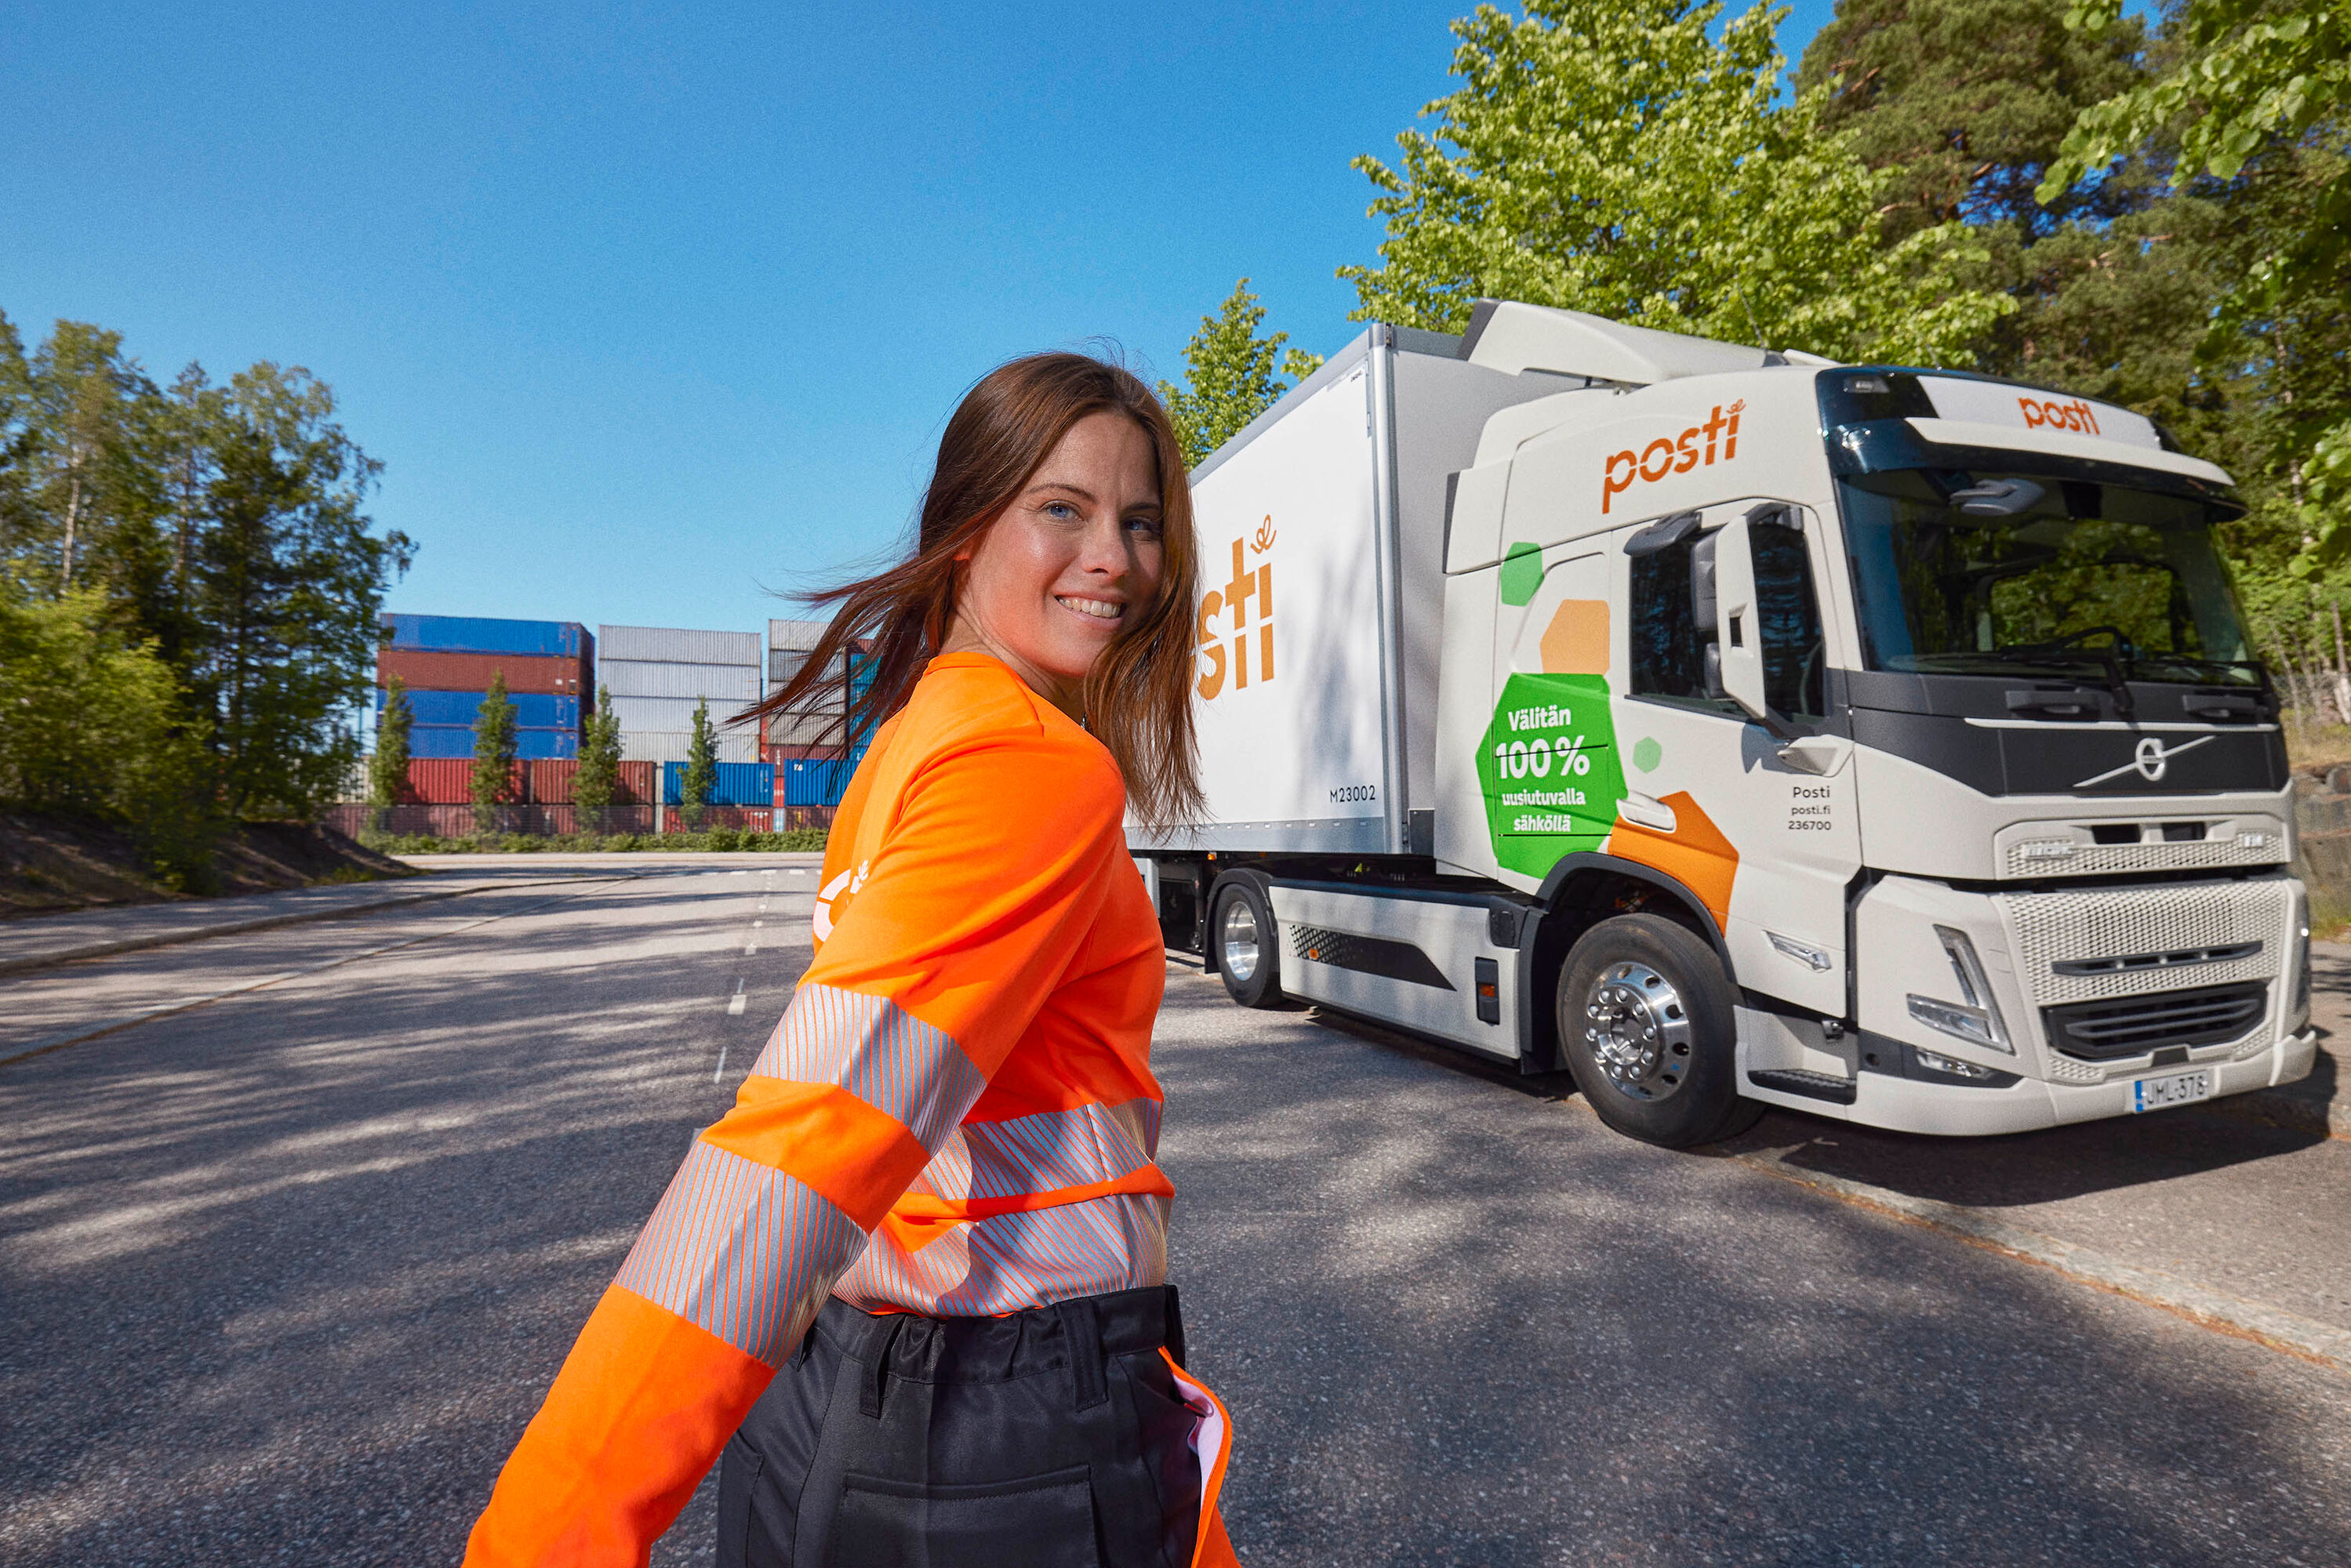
point(1241, 937)
point(1646, 1016)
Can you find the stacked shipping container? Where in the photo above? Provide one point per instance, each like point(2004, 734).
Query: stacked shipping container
point(804, 743)
point(657, 674)
point(447, 662)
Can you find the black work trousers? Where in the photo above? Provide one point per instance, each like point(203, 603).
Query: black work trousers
point(1048, 1438)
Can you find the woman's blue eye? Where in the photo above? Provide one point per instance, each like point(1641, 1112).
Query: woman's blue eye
point(1060, 509)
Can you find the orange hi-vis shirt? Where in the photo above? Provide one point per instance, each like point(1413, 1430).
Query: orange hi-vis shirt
point(956, 1117)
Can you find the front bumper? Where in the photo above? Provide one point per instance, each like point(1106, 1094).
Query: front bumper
point(1910, 1105)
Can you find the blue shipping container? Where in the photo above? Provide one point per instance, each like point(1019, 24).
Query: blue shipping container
point(533, 710)
point(482, 634)
point(739, 784)
point(531, 745)
point(813, 783)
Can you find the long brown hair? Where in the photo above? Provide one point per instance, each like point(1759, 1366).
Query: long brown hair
point(1138, 697)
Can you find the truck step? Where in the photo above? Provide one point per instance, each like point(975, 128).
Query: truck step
point(1811, 1086)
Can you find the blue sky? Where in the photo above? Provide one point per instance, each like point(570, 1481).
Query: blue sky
point(648, 310)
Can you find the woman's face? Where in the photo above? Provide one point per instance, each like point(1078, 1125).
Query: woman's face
point(1072, 561)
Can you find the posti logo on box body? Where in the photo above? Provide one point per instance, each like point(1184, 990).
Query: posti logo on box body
point(1672, 454)
point(1228, 667)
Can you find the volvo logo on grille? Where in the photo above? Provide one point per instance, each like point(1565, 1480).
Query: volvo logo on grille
point(2151, 760)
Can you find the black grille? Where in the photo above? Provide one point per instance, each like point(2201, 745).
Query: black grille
point(2133, 1026)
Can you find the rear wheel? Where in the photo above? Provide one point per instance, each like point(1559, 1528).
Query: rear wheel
point(1645, 1016)
point(1241, 937)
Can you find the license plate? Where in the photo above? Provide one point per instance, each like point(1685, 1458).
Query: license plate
point(2179, 1089)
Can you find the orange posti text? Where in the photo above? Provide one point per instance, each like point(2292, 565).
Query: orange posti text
point(1696, 447)
point(1225, 662)
point(2049, 413)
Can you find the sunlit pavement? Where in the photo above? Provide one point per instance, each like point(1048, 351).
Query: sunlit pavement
point(287, 1272)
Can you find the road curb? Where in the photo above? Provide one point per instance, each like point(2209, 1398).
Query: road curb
point(262, 923)
point(2271, 1326)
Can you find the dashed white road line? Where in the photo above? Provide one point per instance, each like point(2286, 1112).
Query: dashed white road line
point(735, 1002)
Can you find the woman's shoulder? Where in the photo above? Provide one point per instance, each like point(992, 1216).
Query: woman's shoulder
point(971, 709)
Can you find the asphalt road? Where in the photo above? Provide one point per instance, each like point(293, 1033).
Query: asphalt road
point(284, 1274)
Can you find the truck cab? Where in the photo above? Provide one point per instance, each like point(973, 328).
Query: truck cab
point(1880, 742)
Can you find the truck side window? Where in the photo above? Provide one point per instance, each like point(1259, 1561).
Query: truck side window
point(1794, 679)
point(1668, 645)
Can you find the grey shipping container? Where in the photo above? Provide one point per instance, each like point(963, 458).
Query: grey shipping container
point(798, 636)
point(678, 645)
point(645, 678)
point(670, 713)
point(671, 745)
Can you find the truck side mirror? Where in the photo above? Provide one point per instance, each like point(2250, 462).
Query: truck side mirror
point(1739, 639)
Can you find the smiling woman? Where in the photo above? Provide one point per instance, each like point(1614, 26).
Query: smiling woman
point(919, 1272)
point(1055, 536)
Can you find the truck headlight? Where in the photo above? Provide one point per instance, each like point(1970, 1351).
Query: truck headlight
point(1975, 1017)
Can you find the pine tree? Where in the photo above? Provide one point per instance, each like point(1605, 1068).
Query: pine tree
point(1231, 373)
point(598, 774)
point(388, 768)
point(494, 756)
point(701, 765)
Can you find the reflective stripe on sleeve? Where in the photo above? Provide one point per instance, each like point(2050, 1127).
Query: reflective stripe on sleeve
point(890, 1060)
point(740, 1250)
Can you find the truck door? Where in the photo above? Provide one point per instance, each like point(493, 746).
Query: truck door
point(1766, 834)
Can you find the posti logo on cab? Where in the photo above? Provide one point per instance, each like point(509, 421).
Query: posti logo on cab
point(2049, 413)
point(1672, 454)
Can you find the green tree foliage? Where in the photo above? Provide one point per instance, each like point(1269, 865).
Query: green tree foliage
point(388, 767)
point(1962, 105)
point(2258, 97)
point(1613, 158)
point(1230, 375)
point(701, 767)
point(598, 777)
point(492, 774)
point(221, 525)
point(92, 727)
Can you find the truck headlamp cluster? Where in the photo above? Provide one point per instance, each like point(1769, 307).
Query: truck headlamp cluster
point(1976, 1017)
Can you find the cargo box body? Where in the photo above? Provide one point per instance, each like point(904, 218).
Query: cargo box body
point(1322, 549)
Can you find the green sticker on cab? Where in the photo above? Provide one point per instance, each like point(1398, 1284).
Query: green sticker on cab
point(1549, 771)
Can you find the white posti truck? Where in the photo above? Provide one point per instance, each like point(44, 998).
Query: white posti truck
point(1730, 728)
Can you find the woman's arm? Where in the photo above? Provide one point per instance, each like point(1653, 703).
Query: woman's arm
point(968, 916)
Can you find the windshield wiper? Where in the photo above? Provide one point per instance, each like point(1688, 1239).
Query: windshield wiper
point(2109, 659)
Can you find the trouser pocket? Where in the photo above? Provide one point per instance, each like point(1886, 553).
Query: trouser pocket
point(1040, 1522)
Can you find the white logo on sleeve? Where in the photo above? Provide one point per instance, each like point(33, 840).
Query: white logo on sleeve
point(820, 921)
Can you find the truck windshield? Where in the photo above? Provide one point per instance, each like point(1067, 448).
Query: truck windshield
point(2077, 577)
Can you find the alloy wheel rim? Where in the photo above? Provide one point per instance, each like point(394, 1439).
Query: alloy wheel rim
point(1238, 941)
point(1639, 1030)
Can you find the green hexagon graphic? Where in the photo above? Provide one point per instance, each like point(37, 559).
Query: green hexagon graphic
point(1648, 754)
point(1521, 574)
point(1549, 771)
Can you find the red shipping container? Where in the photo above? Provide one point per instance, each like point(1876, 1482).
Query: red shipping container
point(638, 785)
point(449, 782)
point(424, 670)
point(550, 780)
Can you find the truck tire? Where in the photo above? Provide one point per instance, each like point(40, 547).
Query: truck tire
point(1241, 940)
point(1647, 1025)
